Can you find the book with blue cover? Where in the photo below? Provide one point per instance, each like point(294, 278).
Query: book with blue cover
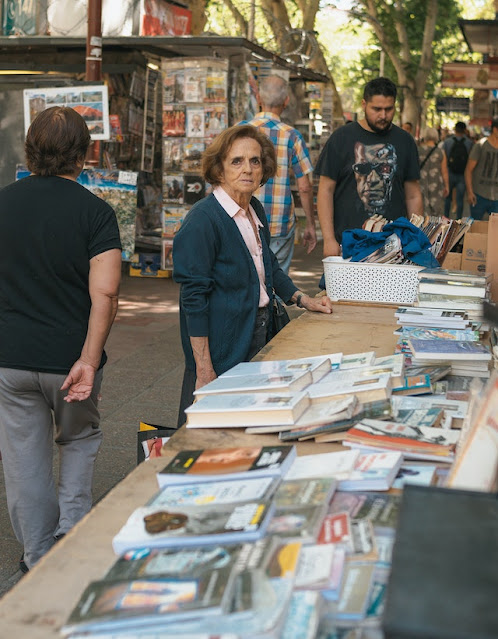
point(448, 349)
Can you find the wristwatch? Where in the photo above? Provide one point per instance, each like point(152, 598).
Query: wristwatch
point(298, 300)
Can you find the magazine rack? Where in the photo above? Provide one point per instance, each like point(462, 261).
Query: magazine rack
point(370, 282)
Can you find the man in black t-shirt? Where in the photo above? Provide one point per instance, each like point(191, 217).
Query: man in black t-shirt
point(60, 268)
point(366, 168)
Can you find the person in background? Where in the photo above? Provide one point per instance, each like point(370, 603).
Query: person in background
point(293, 156)
point(481, 175)
point(60, 269)
point(408, 127)
point(434, 178)
point(457, 148)
point(224, 265)
point(368, 167)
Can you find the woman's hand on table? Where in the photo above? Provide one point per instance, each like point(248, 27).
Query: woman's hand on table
point(317, 304)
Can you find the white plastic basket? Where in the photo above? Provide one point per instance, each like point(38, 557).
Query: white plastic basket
point(370, 282)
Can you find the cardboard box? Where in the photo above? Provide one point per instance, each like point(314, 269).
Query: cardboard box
point(452, 261)
point(492, 254)
point(475, 247)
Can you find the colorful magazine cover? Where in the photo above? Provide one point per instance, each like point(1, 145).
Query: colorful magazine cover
point(173, 121)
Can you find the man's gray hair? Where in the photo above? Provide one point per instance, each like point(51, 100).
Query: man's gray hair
point(431, 134)
point(273, 91)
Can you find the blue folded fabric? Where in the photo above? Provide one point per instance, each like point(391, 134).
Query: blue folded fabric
point(358, 243)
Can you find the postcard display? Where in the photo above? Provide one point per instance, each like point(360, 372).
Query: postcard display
point(194, 112)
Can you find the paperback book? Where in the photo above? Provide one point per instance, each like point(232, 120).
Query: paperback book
point(238, 463)
point(148, 603)
point(366, 388)
point(373, 471)
point(317, 366)
point(448, 350)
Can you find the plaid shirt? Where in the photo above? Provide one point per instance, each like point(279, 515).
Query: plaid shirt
point(292, 152)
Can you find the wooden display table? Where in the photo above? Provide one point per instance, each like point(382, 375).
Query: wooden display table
point(42, 600)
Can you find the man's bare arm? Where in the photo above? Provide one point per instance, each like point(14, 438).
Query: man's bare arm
point(469, 169)
point(103, 284)
point(325, 204)
point(305, 187)
point(413, 198)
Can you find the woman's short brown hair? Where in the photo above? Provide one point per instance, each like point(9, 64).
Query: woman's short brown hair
point(217, 151)
point(56, 142)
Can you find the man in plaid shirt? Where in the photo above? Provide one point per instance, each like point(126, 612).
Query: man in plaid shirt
point(292, 154)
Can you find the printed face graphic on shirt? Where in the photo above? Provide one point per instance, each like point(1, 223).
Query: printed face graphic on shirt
point(374, 169)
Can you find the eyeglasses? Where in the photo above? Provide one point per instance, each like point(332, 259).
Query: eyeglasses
point(365, 168)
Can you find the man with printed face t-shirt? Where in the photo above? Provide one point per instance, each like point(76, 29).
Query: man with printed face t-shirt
point(366, 168)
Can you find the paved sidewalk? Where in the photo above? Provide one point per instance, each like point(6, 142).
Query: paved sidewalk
point(142, 381)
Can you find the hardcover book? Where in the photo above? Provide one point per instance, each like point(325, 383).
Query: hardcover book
point(451, 275)
point(448, 349)
point(263, 383)
point(452, 288)
point(247, 409)
point(237, 463)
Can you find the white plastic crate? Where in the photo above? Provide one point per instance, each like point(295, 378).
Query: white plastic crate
point(370, 282)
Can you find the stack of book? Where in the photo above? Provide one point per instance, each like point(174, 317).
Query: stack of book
point(465, 358)
point(442, 232)
point(453, 290)
point(274, 551)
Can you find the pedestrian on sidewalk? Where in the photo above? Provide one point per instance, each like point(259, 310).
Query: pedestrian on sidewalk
point(60, 268)
point(481, 175)
point(457, 148)
point(292, 158)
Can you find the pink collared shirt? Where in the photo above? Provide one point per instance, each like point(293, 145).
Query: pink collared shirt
point(252, 242)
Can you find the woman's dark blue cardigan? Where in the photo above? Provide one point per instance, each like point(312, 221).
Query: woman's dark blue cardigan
point(219, 292)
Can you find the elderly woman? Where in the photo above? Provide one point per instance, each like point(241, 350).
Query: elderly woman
point(223, 262)
point(434, 177)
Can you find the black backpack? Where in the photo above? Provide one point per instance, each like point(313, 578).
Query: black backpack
point(457, 159)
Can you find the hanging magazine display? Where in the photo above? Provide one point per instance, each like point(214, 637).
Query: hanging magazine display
point(194, 111)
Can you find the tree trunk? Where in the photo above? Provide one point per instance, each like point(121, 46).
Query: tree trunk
point(199, 19)
point(411, 108)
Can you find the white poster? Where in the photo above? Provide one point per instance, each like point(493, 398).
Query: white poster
point(91, 102)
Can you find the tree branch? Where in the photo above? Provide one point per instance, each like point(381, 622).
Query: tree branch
point(399, 24)
point(238, 17)
point(426, 57)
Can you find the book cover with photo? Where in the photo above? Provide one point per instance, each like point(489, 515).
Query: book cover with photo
point(173, 153)
point(192, 155)
point(173, 186)
point(215, 119)
point(195, 122)
point(195, 85)
point(186, 526)
point(236, 462)
point(135, 604)
point(173, 120)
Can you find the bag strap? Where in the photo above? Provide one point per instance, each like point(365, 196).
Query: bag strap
point(427, 157)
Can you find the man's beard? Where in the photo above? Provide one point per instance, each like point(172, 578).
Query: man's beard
point(377, 129)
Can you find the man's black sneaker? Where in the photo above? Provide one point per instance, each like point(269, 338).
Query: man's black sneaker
point(22, 565)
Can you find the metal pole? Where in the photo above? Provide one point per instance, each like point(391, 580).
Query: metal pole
point(93, 71)
point(94, 41)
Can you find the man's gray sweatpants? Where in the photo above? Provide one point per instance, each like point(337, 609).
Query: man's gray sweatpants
point(31, 407)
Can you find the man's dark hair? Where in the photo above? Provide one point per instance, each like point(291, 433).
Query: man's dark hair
point(379, 86)
point(460, 127)
point(56, 142)
point(494, 123)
